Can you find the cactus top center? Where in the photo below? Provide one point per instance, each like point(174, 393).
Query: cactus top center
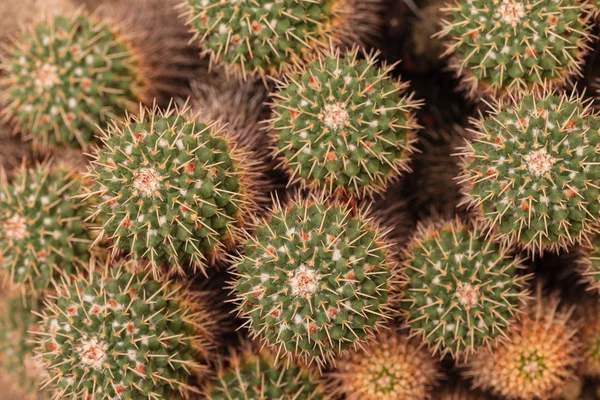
point(304, 282)
point(46, 76)
point(147, 181)
point(92, 353)
point(511, 11)
point(467, 295)
point(539, 162)
point(334, 115)
point(532, 367)
point(15, 228)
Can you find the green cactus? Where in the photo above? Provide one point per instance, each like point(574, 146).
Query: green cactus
point(43, 237)
point(314, 279)
point(170, 189)
point(66, 76)
point(121, 334)
point(463, 292)
point(533, 171)
point(504, 47)
point(342, 123)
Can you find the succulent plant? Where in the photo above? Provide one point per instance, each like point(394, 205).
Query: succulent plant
point(513, 46)
point(43, 237)
point(314, 279)
point(533, 171)
point(120, 334)
point(463, 291)
point(171, 189)
point(66, 76)
point(342, 123)
point(254, 374)
point(539, 357)
point(390, 367)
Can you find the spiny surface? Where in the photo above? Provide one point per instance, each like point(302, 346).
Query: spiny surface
point(588, 263)
point(507, 46)
point(463, 290)
point(68, 75)
point(314, 279)
point(342, 123)
point(533, 171)
point(123, 335)
point(42, 234)
point(390, 367)
point(589, 333)
point(171, 190)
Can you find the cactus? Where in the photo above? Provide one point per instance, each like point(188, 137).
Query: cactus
point(588, 263)
point(314, 279)
point(533, 171)
point(67, 75)
point(43, 237)
point(343, 124)
point(511, 46)
point(170, 189)
point(391, 367)
point(253, 374)
point(120, 334)
point(463, 291)
point(539, 357)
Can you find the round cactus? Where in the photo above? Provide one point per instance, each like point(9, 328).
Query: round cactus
point(391, 367)
point(539, 357)
point(43, 238)
point(314, 279)
point(533, 171)
point(253, 374)
point(121, 334)
point(66, 76)
point(463, 290)
point(170, 189)
point(511, 46)
point(343, 124)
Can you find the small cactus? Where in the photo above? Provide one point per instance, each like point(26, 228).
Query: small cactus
point(314, 279)
point(533, 171)
point(463, 291)
point(342, 123)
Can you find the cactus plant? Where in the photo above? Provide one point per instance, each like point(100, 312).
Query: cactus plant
point(512, 46)
point(342, 123)
point(391, 367)
point(314, 279)
point(43, 237)
point(533, 171)
point(118, 333)
point(171, 189)
point(463, 291)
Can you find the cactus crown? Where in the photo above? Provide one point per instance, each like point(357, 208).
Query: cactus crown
point(533, 171)
point(314, 279)
point(121, 334)
point(68, 75)
point(171, 189)
point(462, 292)
point(43, 238)
point(343, 123)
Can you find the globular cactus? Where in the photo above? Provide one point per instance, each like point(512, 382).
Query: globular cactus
point(343, 124)
point(43, 236)
point(119, 334)
point(533, 171)
point(390, 367)
point(171, 189)
point(66, 76)
point(257, 374)
point(463, 291)
point(538, 358)
point(512, 46)
point(314, 279)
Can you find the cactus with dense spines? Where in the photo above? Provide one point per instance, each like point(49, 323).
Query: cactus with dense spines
point(171, 189)
point(514, 46)
point(533, 171)
point(539, 357)
point(43, 236)
point(390, 367)
point(120, 334)
point(463, 291)
point(68, 75)
point(342, 123)
point(314, 279)
point(257, 374)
